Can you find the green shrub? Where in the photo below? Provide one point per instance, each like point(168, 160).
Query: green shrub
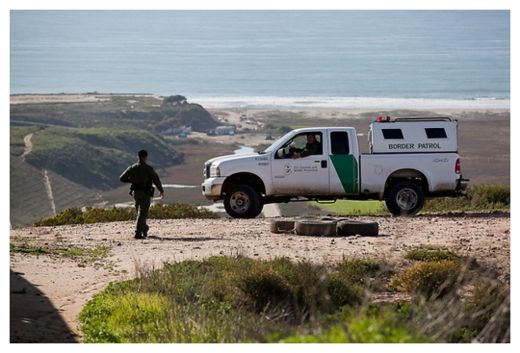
point(489, 303)
point(343, 293)
point(362, 328)
point(360, 270)
point(495, 196)
point(431, 279)
point(220, 299)
point(114, 214)
point(431, 253)
point(237, 299)
point(266, 288)
point(478, 197)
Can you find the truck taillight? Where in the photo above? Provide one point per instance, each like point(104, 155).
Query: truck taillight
point(457, 166)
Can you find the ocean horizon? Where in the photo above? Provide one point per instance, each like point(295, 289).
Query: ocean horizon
point(354, 59)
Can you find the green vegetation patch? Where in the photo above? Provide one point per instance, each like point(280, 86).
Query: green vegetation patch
point(364, 327)
point(95, 157)
point(237, 299)
point(432, 253)
point(17, 134)
point(353, 208)
point(114, 214)
point(431, 279)
point(485, 197)
point(221, 299)
point(84, 255)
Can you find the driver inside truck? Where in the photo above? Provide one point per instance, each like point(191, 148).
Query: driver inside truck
point(313, 146)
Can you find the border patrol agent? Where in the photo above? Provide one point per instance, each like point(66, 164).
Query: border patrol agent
point(311, 147)
point(142, 175)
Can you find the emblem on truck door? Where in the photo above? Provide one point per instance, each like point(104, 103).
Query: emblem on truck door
point(288, 169)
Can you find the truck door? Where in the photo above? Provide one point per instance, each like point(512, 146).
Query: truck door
point(343, 172)
point(307, 175)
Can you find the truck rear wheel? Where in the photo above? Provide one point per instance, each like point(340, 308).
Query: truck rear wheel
point(243, 201)
point(405, 198)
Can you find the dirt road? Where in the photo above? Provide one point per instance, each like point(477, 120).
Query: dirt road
point(28, 145)
point(56, 288)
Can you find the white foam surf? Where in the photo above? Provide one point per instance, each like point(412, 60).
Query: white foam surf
point(349, 102)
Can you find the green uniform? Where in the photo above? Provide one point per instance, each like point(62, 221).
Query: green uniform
point(142, 176)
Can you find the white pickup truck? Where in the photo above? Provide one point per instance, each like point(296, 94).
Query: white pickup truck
point(409, 159)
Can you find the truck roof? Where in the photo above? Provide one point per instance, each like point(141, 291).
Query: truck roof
point(312, 129)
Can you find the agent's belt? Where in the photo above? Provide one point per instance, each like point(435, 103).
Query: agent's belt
point(140, 187)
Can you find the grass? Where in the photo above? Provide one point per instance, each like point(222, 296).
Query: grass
point(486, 197)
point(432, 253)
point(95, 157)
point(353, 207)
point(431, 279)
point(364, 327)
point(17, 134)
point(237, 299)
point(82, 255)
point(28, 196)
point(220, 299)
point(115, 113)
point(101, 215)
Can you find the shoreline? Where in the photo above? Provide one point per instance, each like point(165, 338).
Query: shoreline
point(354, 104)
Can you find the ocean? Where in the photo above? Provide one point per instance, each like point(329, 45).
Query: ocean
point(291, 58)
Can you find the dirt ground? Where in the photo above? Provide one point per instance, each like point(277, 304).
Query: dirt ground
point(48, 292)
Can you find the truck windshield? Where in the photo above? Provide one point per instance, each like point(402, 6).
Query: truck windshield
point(276, 143)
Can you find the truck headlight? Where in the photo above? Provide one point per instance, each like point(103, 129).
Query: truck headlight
point(214, 171)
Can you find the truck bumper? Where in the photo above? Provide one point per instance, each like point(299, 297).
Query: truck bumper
point(212, 188)
point(462, 184)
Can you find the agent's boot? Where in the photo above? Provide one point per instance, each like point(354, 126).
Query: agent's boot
point(138, 235)
point(145, 231)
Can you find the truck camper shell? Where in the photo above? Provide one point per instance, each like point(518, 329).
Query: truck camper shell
point(413, 135)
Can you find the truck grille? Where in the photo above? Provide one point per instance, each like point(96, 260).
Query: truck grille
point(208, 166)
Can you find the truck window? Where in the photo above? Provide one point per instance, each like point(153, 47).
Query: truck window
point(392, 134)
point(303, 145)
point(339, 142)
point(436, 133)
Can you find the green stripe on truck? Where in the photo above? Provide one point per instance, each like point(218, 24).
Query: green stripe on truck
point(347, 170)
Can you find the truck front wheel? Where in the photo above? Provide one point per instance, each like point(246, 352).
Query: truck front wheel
point(243, 201)
point(405, 198)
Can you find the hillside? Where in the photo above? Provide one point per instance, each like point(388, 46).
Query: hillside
point(29, 200)
point(116, 111)
point(79, 148)
point(95, 157)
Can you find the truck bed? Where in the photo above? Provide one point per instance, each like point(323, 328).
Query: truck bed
point(437, 168)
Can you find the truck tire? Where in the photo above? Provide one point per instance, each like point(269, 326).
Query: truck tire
point(316, 228)
point(243, 201)
point(368, 229)
point(405, 198)
point(282, 226)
